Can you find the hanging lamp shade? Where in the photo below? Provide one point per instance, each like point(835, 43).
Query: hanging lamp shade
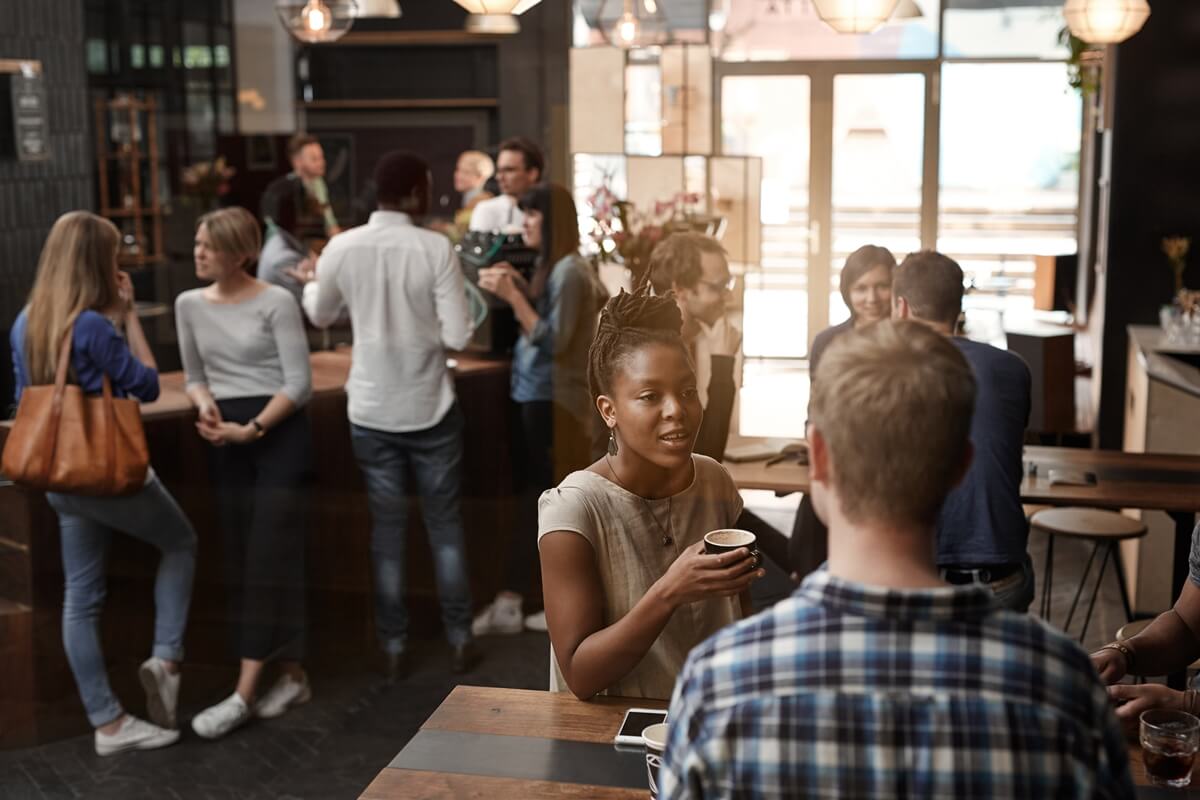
point(633, 23)
point(855, 16)
point(495, 16)
point(1105, 21)
point(316, 21)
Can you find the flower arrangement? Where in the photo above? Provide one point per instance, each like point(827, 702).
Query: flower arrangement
point(207, 179)
point(1176, 249)
point(622, 232)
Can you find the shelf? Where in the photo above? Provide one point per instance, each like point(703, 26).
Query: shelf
point(139, 261)
point(447, 102)
point(130, 213)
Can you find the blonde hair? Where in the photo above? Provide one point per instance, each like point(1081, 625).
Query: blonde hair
point(894, 402)
point(479, 161)
point(77, 271)
point(234, 232)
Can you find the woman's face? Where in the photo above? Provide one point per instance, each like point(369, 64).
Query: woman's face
point(210, 264)
point(655, 405)
point(871, 296)
point(533, 228)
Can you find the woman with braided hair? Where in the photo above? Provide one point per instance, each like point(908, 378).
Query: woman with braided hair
point(628, 587)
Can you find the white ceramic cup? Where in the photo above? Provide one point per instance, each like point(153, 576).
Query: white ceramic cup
point(655, 739)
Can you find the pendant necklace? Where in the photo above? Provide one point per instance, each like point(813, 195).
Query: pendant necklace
point(667, 538)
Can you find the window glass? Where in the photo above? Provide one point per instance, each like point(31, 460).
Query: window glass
point(1003, 29)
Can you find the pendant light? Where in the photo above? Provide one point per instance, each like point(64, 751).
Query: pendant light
point(855, 16)
point(317, 21)
point(633, 23)
point(1105, 21)
point(495, 16)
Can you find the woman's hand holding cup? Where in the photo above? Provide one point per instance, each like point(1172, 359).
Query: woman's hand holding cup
point(697, 575)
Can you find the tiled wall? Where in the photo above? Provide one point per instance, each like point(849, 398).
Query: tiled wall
point(32, 195)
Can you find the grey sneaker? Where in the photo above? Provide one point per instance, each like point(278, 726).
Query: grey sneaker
point(134, 734)
point(162, 692)
point(216, 721)
point(286, 692)
point(501, 616)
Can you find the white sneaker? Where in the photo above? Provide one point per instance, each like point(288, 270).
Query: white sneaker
point(536, 622)
point(134, 734)
point(216, 721)
point(286, 692)
point(502, 616)
point(162, 691)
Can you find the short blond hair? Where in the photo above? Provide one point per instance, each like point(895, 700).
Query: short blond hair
point(235, 232)
point(480, 162)
point(893, 402)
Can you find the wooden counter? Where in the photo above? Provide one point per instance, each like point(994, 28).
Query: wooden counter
point(33, 668)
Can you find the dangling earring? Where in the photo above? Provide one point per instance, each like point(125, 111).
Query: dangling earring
point(612, 441)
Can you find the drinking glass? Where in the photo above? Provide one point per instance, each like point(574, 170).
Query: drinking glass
point(1169, 743)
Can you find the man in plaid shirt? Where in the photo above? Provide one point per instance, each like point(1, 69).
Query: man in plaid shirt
point(876, 679)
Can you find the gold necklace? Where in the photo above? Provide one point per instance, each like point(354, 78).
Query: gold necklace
point(667, 539)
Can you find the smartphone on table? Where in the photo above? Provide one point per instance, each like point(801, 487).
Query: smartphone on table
point(637, 720)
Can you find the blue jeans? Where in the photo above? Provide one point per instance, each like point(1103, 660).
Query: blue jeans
point(85, 526)
point(1015, 591)
point(435, 457)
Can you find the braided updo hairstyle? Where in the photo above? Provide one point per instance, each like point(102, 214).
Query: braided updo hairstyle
point(627, 323)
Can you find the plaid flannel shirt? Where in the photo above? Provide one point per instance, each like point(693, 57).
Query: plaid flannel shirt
point(850, 691)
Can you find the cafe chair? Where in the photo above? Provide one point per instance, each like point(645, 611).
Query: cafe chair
point(1106, 530)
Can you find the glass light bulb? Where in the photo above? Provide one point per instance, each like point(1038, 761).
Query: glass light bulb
point(627, 28)
point(316, 16)
point(651, 6)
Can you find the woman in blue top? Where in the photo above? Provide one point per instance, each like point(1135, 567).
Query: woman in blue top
point(78, 284)
point(557, 310)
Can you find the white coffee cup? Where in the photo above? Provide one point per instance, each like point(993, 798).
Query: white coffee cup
point(655, 739)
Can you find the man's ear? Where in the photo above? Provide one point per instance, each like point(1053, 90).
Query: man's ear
point(900, 308)
point(818, 455)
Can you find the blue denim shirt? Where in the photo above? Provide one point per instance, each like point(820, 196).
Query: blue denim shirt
point(550, 362)
point(97, 349)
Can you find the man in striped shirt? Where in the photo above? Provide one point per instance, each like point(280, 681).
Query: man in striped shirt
point(876, 678)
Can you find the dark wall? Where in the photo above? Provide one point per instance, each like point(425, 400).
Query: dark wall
point(1155, 189)
point(33, 195)
point(534, 81)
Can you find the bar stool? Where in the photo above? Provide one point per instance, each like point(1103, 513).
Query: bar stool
point(1105, 529)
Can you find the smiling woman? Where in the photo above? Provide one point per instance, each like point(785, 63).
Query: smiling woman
point(620, 542)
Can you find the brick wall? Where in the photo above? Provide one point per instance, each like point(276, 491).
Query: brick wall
point(33, 195)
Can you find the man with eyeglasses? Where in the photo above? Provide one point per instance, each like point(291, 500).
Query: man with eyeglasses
point(695, 268)
point(519, 167)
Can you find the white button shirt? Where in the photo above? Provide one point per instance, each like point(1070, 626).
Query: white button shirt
point(497, 214)
point(403, 288)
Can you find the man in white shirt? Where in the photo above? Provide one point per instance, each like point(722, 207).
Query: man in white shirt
point(403, 288)
point(519, 168)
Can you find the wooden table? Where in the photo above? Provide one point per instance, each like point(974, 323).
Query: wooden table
point(1169, 483)
point(500, 743)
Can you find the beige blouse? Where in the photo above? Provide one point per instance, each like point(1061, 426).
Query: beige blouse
point(631, 556)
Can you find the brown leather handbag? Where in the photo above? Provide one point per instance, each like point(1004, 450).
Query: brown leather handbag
point(64, 441)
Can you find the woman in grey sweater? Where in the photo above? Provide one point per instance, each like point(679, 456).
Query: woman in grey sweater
point(246, 359)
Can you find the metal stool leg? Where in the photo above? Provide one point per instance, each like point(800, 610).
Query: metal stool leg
point(1079, 591)
point(1048, 577)
point(1120, 565)
point(1096, 592)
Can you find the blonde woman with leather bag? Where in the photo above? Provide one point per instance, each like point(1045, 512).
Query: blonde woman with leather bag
point(80, 292)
